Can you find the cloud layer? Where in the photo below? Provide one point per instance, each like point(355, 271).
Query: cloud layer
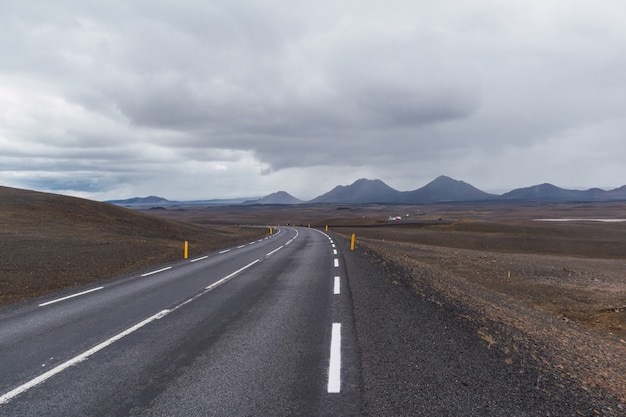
point(243, 98)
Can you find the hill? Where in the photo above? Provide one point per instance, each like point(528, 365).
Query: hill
point(50, 242)
point(280, 197)
point(446, 189)
point(360, 192)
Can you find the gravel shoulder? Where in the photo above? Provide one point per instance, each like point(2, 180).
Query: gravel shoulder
point(560, 365)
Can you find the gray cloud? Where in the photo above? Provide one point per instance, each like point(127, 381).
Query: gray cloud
point(258, 94)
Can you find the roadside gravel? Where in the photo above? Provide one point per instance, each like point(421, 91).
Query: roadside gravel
point(442, 355)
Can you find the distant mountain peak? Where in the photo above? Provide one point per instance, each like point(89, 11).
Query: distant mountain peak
point(152, 199)
point(361, 191)
point(279, 197)
point(550, 192)
point(446, 189)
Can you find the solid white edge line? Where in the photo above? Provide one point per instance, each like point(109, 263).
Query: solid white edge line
point(274, 251)
point(199, 259)
point(76, 359)
point(69, 296)
point(336, 263)
point(334, 367)
point(226, 278)
point(156, 272)
point(336, 289)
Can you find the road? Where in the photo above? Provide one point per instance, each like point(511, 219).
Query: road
point(292, 324)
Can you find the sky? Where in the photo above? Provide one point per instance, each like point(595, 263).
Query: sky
point(201, 99)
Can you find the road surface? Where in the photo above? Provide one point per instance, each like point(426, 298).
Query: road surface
point(294, 324)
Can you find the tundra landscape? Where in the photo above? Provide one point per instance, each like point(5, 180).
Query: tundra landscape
point(540, 291)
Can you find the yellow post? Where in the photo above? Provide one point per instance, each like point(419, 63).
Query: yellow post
point(309, 225)
point(327, 228)
point(509, 274)
point(186, 249)
point(352, 241)
point(271, 231)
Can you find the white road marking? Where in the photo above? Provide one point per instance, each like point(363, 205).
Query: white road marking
point(200, 258)
point(274, 251)
point(334, 367)
point(334, 251)
point(333, 245)
point(156, 272)
point(242, 246)
point(336, 288)
point(336, 263)
point(70, 296)
point(77, 359)
point(224, 251)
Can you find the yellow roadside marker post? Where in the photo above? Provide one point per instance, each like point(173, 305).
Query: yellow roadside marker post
point(352, 241)
point(186, 249)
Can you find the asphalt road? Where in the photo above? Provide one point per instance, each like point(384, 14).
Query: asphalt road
point(292, 325)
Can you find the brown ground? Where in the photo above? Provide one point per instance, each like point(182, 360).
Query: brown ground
point(564, 303)
point(554, 290)
point(48, 242)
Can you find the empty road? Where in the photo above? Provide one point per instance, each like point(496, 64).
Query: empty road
point(292, 324)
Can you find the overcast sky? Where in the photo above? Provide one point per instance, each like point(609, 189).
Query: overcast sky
point(200, 99)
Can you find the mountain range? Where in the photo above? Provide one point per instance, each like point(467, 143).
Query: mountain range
point(442, 189)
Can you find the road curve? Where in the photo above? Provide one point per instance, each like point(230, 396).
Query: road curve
point(245, 331)
point(292, 324)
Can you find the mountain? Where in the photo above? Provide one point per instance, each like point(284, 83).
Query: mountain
point(446, 189)
point(365, 191)
point(280, 197)
point(551, 193)
point(362, 191)
point(617, 194)
point(141, 200)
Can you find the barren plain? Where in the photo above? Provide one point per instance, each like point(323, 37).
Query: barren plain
point(548, 294)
